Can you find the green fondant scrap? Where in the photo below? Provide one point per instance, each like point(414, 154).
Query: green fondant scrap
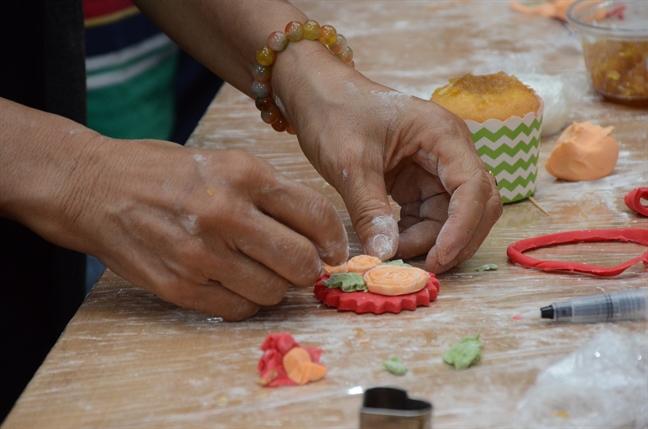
point(395, 366)
point(487, 267)
point(347, 282)
point(397, 262)
point(464, 354)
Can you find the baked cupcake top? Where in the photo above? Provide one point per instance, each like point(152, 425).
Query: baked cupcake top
point(483, 97)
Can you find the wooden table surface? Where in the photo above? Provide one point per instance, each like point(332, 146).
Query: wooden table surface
point(128, 359)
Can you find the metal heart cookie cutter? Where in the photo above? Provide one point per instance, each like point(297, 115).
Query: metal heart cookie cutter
point(391, 408)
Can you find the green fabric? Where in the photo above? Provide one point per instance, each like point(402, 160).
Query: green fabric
point(150, 100)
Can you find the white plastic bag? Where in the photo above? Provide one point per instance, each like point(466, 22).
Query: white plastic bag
point(604, 384)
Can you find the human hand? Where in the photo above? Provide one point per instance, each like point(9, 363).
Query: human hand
point(220, 232)
point(369, 141)
point(216, 231)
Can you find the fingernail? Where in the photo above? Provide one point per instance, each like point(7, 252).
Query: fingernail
point(385, 244)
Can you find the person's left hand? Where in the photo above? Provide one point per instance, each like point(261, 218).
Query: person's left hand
point(369, 141)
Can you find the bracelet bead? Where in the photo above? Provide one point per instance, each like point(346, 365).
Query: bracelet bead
point(263, 104)
point(271, 115)
point(339, 45)
point(277, 41)
point(261, 73)
point(328, 35)
point(311, 30)
point(266, 56)
point(294, 31)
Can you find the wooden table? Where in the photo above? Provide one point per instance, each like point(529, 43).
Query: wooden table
point(129, 359)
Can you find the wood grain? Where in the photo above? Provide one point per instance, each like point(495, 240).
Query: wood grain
point(129, 359)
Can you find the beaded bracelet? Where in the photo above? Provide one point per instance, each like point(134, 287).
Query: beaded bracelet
point(277, 42)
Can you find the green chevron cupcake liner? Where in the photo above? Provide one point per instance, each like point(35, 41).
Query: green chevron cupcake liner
point(510, 150)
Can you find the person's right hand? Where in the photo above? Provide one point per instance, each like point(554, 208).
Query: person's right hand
point(369, 141)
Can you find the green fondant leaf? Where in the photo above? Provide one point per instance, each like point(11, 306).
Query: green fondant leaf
point(464, 354)
point(347, 282)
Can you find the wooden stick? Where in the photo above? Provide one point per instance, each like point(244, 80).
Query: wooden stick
point(535, 203)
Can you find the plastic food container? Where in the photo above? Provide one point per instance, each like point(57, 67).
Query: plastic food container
point(614, 35)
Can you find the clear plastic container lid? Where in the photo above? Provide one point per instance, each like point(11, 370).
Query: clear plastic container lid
point(623, 19)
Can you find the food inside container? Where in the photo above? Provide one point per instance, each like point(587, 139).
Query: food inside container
point(614, 36)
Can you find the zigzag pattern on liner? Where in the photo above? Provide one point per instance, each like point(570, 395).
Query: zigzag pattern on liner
point(521, 138)
point(506, 131)
point(494, 124)
point(510, 158)
point(516, 182)
point(514, 122)
point(508, 176)
point(510, 164)
point(518, 193)
point(510, 149)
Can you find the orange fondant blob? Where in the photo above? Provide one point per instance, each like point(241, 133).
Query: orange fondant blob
point(584, 151)
point(300, 368)
point(393, 280)
point(362, 263)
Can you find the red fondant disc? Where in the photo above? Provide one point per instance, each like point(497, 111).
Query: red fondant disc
point(368, 302)
point(633, 235)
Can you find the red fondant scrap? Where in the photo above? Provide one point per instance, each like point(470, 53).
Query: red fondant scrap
point(634, 235)
point(368, 302)
point(271, 369)
point(633, 200)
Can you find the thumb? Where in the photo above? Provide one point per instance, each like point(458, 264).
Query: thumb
point(371, 214)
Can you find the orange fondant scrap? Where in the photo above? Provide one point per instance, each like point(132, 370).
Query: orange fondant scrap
point(556, 9)
point(286, 363)
point(300, 368)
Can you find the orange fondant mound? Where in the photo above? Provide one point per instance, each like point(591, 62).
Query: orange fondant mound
point(483, 97)
point(584, 151)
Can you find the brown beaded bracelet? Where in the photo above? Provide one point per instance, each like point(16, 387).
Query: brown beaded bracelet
point(277, 42)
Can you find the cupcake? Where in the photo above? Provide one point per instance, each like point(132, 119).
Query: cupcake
point(504, 117)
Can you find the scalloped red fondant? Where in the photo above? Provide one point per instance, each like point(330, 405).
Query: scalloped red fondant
point(367, 302)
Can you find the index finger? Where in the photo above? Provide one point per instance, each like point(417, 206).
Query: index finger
point(465, 177)
point(309, 213)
